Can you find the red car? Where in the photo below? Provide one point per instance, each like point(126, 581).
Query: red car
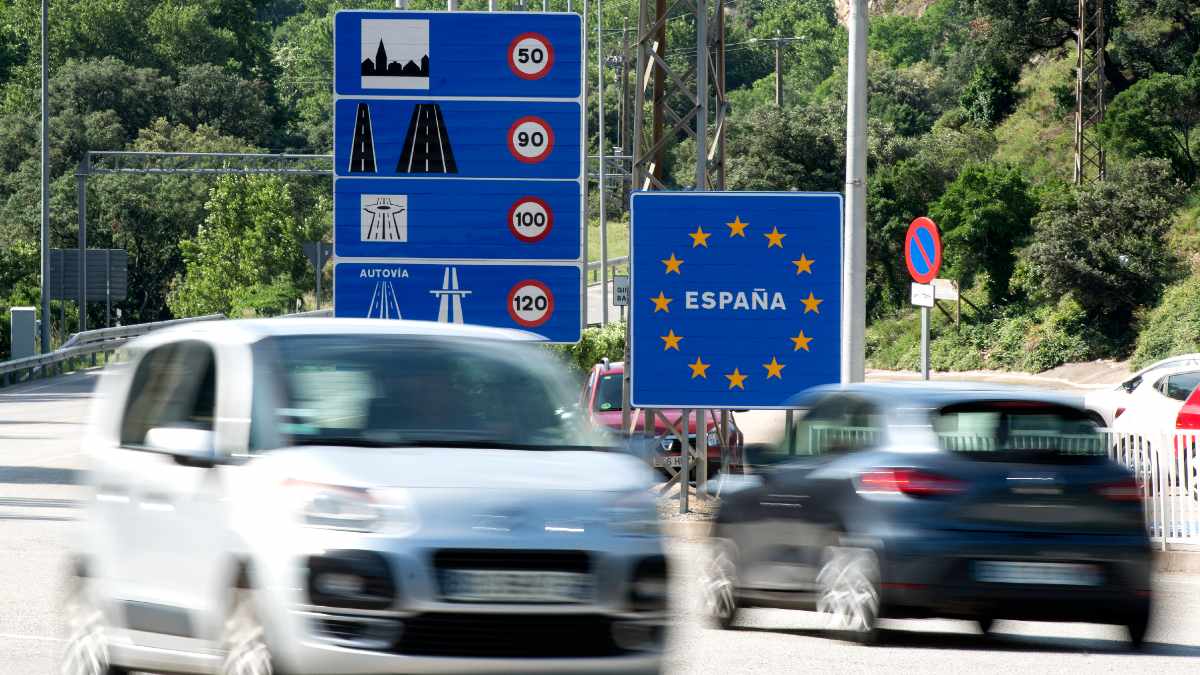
point(602, 401)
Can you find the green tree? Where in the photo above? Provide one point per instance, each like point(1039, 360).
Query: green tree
point(984, 215)
point(1158, 117)
point(991, 93)
point(247, 257)
point(1106, 245)
point(208, 95)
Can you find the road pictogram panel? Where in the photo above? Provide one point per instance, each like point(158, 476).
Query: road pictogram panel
point(735, 299)
point(542, 299)
point(458, 140)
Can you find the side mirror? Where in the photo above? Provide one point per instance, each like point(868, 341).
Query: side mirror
point(190, 447)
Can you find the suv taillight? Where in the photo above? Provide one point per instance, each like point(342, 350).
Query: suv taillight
point(908, 481)
point(1126, 490)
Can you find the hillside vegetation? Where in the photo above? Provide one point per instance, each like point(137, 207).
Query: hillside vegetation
point(970, 122)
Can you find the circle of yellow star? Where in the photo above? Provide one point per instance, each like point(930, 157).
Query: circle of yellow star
point(803, 264)
point(774, 368)
point(737, 228)
point(801, 342)
point(812, 304)
point(672, 264)
point(699, 237)
point(699, 368)
point(670, 340)
point(736, 379)
point(662, 303)
point(774, 238)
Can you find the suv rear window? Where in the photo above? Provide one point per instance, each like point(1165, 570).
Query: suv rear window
point(1007, 430)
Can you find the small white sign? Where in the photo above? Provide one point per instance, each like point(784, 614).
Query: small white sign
point(922, 295)
point(945, 289)
point(620, 290)
point(384, 217)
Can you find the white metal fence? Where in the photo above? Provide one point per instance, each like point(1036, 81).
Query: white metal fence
point(1167, 466)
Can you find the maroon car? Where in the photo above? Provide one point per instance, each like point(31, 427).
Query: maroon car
point(602, 401)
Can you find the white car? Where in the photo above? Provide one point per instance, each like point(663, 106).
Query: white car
point(1108, 405)
point(339, 496)
point(1155, 403)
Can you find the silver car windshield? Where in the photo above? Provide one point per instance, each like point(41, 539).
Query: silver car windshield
point(403, 390)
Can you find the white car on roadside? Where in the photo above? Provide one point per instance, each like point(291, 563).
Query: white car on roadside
point(340, 496)
point(1109, 405)
point(1155, 404)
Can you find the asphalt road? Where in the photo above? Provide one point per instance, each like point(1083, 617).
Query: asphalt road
point(41, 463)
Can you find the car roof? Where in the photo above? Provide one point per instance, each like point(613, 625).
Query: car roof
point(1179, 361)
point(252, 330)
point(927, 395)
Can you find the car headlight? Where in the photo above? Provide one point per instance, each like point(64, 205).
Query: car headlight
point(352, 509)
point(712, 439)
point(634, 515)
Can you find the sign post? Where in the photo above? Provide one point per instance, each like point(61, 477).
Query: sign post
point(459, 168)
point(923, 256)
point(736, 298)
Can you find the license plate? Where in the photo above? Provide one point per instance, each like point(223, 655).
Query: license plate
point(1049, 574)
point(674, 462)
point(516, 586)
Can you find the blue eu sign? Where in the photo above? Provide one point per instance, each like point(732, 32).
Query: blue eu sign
point(458, 139)
point(736, 297)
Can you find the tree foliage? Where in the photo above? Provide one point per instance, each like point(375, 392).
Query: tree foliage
point(1158, 117)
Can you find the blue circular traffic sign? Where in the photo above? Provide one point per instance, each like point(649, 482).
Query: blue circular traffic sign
point(923, 250)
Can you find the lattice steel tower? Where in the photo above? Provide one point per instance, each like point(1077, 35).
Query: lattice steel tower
point(1089, 92)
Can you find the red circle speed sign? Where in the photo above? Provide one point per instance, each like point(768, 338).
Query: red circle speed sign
point(530, 139)
point(530, 219)
point(530, 56)
point(530, 303)
point(923, 250)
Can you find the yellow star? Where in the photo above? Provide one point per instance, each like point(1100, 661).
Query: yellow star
point(671, 340)
point(811, 304)
point(699, 368)
point(774, 238)
point(662, 303)
point(803, 264)
point(774, 368)
point(672, 264)
point(736, 379)
point(700, 237)
point(737, 228)
point(801, 341)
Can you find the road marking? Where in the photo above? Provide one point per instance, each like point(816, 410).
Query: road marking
point(40, 638)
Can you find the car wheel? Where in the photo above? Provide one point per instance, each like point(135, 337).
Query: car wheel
point(86, 651)
point(849, 592)
point(243, 640)
point(1138, 625)
point(720, 574)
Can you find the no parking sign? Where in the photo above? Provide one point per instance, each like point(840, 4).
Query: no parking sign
point(923, 250)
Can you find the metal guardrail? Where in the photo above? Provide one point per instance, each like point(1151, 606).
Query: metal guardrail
point(595, 264)
point(86, 344)
point(89, 343)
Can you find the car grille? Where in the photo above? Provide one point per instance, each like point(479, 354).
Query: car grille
point(508, 635)
point(503, 559)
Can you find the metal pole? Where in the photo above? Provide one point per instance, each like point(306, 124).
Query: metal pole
point(45, 234)
point(600, 137)
point(320, 263)
point(451, 5)
point(491, 5)
point(685, 461)
point(701, 95)
point(721, 100)
point(108, 288)
point(702, 453)
point(625, 93)
point(81, 197)
point(854, 263)
point(924, 343)
point(778, 70)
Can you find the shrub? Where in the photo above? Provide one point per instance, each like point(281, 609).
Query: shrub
point(594, 344)
point(1173, 327)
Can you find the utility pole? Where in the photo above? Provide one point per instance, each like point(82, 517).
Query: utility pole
point(1090, 161)
point(778, 70)
point(600, 152)
point(45, 235)
point(854, 263)
point(701, 96)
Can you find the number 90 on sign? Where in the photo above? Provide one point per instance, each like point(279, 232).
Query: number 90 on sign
point(530, 303)
point(530, 56)
point(530, 139)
